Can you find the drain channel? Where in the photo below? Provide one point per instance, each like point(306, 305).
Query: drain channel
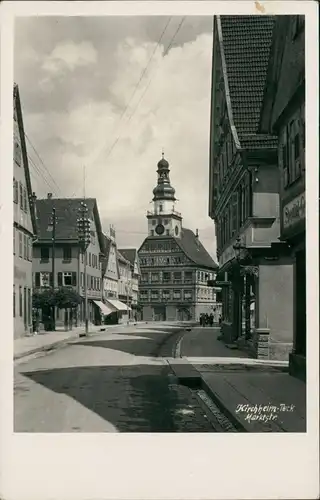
point(218, 420)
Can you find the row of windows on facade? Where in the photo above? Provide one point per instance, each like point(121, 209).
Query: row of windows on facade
point(92, 259)
point(24, 303)
point(178, 276)
point(25, 244)
point(20, 194)
point(44, 279)
point(202, 294)
point(163, 261)
point(165, 246)
point(236, 211)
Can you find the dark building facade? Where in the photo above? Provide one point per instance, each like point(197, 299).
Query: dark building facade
point(175, 267)
point(283, 113)
point(255, 270)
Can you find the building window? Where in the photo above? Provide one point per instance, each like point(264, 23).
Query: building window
point(177, 294)
point(154, 222)
point(45, 279)
point(144, 277)
point(166, 294)
point(17, 153)
point(188, 294)
point(152, 232)
point(67, 254)
point(166, 277)
point(154, 277)
point(44, 254)
point(234, 209)
point(15, 191)
point(67, 279)
point(188, 276)
point(144, 295)
point(25, 201)
point(177, 277)
point(20, 245)
point(21, 196)
point(14, 301)
point(25, 247)
point(20, 301)
point(160, 208)
point(291, 151)
point(30, 249)
point(154, 294)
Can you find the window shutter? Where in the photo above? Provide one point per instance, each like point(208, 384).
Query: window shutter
point(59, 279)
point(37, 279)
point(74, 279)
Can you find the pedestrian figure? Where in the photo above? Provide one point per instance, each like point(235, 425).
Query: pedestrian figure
point(211, 319)
point(206, 319)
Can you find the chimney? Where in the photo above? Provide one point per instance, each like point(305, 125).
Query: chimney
point(49, 196)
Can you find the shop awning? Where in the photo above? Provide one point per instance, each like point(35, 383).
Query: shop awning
point(120, 306)
point(106, 309)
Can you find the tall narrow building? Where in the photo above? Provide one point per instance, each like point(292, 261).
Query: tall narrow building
point(24, 226)
point(175, 266)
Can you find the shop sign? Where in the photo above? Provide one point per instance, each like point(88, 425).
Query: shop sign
point(294, 211)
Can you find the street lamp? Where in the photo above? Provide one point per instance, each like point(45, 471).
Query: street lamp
point(83, 226)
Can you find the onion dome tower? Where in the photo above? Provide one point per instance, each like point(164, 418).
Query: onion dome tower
point(164, 220)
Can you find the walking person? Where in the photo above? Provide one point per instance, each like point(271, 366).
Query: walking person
point(211, 320)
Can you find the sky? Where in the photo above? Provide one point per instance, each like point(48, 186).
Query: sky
point(102, 97)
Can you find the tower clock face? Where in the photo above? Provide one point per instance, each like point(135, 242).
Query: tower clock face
point(160, 229)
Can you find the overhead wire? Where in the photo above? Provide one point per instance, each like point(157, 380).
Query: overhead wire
point(42, 163)
point(145, 90)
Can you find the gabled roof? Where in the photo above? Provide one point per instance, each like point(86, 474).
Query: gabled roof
point(129, 254)
point(121, 258)
point(17, 104)
point(194, 250)
point(191, 246)
point(67, 212)
point(245, 43)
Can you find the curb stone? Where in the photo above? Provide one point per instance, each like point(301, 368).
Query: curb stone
point(49, 347)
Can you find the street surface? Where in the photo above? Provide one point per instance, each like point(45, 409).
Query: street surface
point(110, 382)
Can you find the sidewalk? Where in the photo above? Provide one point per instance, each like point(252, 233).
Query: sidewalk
point(43, 341)
point(256, 395)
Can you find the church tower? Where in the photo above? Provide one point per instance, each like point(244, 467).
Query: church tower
point(164, 220)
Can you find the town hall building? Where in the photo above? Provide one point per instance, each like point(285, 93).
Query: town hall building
point(175, 267)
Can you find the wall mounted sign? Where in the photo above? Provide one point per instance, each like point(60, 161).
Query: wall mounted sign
point(294, 211)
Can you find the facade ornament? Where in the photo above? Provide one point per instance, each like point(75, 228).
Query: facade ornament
point(249, 270)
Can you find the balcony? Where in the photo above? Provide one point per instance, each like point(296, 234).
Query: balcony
point(163, 213)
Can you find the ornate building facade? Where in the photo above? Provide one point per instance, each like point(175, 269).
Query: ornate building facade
point(255, 268)
point(174, 265)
